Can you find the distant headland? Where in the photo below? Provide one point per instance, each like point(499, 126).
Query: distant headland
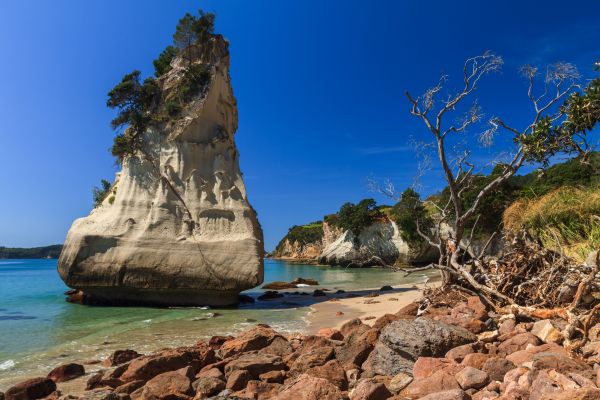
point(52, 251)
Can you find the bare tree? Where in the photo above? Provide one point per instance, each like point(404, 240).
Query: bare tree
point(536, 142)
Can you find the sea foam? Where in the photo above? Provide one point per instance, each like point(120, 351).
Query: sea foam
point(8, 364)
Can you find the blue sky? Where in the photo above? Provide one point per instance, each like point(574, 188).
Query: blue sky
point(319, 86)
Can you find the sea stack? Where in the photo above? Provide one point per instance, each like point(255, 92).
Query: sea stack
point(177, 228)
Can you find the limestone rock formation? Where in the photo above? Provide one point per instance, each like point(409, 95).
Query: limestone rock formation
point(380, 241)
point(177, 228)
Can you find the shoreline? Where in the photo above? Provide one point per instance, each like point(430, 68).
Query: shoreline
point(322, 312)
point(368, 308)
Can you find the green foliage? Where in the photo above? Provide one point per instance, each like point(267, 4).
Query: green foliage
point(407, 212)
point(100, 193)
point(356, 217)
point(135, 102)
point(196, 78)
point(303, 234)
point(538, 183)
point(162, 64)
point(34, 252)
point(565, 220)
point(193, 29)
point(583, 112)
point(194, 81)
point(573, 172)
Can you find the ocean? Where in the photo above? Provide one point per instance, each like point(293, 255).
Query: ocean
point(39, 330)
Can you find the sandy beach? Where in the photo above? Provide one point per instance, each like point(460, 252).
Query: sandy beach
point(370, 305)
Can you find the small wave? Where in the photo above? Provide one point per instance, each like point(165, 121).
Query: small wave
point(147, 321)
point(11, 262)
point(8, 364)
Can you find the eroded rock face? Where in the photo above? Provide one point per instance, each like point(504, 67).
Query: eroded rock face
point(379, 243)
point(177, 228)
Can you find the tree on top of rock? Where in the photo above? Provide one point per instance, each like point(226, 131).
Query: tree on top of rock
point(191, 30)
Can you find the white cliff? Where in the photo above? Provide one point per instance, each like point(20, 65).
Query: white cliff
point(377, 244)
point(178, 228)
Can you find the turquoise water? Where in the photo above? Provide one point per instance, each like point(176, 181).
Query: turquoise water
point(39, 330)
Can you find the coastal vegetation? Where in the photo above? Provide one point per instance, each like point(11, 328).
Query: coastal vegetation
point(140, 104)
point(100, 193)
point(52, 251)
point(355, 217)
point(303, 234)
point(558, 125)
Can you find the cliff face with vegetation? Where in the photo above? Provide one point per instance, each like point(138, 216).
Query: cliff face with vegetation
point(380, 242)
point(558, 206)
point(176, 227)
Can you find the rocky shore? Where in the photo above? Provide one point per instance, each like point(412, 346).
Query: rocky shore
point(441, 346)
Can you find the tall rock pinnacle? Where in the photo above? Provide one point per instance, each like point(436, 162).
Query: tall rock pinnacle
point(177, 228)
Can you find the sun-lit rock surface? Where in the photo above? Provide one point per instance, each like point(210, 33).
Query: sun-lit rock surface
point(177, 228)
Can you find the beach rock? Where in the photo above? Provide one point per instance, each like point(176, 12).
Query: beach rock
point(352, 325)
point(255, 364)
point(518, 342)
point(279, 285)
point(146, 368)
point(475, 360)
point(279, 347)
point(255, 339)
point(507, 326)
point(207, 386)
point(273, 377)
point(542, 386)
point(384, 320)
point(311, 342)
point(439, 381)
point(386, 288)
point(270, 294)
point(354, 350)
point(546, 332)
point(305, 281)
point(332, 371)
point(129, 387)
point(212, 372)
point(558, 362)
point(452, 394)
point(319, 293)
point(258, 390)
point(460, 352)
point(66, 372)
point(524, 356)
point(306, 387)
point(574, 394)
point(497, 367)
point(170, 385)
point(402, 342)
point(215, 342)
point(369, 389)
point(177, 228)
point(330, 333)
point(399, 382)
point(484, 395)
point(120, 357)
point(472, 378)
point(237, 380)
point(427, 366)
point(313, 358)
point(409, 310)
point(104, 394)
point(31, 389)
